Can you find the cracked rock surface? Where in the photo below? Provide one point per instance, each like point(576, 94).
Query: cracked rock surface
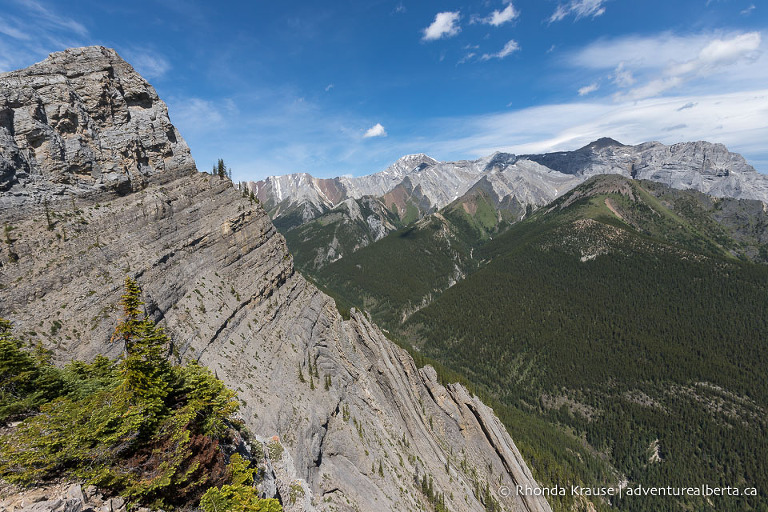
point(83, 121)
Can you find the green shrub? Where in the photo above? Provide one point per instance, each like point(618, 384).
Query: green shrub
point(140, 427)
point(240, 495)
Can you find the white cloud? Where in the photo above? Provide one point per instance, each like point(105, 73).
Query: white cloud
point(560, 13)
point(196, 115)
point(466, 58)
point(623, 77)
point(497, 18)
point(11, 29)
point(329, 87)
point(375, 131)
point(588, 89)
point(579, 9)
point(445, 25)
point(149, 64)
point(725, 52)
point(643, 67)
point(23, 43)
point(656, 51)
point(54, 19)
point(748, 10)
point(508, 49)
point(711, 59)
point(328, 145)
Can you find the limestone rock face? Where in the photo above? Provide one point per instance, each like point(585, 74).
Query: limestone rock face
point(84, 121)
point(350, 422)
point(702, 166)
point(357, 419)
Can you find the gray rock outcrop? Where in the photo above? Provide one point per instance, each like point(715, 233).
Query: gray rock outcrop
point(83, 121)
point(349, 421)
point(63, 497)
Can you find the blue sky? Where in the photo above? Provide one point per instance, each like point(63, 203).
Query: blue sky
point(347, 87)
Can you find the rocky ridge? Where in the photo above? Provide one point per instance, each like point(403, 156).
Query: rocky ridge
point(702, 166)
point(354, 423)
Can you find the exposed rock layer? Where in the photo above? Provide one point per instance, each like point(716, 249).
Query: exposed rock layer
point(358, 420)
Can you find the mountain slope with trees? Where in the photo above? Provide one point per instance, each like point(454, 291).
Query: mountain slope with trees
point(625, 312)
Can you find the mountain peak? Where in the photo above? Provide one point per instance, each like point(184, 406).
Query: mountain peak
point(409, 163)
point(420, 157)
point(63, 110)
point(603, 142)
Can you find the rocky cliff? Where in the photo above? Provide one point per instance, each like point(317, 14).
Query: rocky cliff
point(83, 121)
point(702, 166)
point(354, 423)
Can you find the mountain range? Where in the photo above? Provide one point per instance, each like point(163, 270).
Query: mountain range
point(607, 302)
point(417, 185)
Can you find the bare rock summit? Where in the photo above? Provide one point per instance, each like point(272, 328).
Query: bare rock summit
point(83, 121)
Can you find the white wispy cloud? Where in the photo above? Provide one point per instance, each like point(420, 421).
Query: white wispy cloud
point(651, 52)
point(509, 48)
point(11, 27)
point(623, 77)
point(327, 144)
point(446, 24)
point(197, 115)
point(497, 17)
point(329, 87)
point(713, 58)
point(22, 43)
point(375, 131)
point(52, 19)
point(643, 67)
point(748, 10)
point(588, 89)
point(579, 9)
point(148, 63)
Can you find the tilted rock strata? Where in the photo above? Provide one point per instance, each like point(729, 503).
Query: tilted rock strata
point(219, 278)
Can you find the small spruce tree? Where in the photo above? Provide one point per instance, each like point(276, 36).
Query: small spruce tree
point(146, 372)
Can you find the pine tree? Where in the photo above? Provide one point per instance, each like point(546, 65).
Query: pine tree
point(221, 169)
point(146, 372)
